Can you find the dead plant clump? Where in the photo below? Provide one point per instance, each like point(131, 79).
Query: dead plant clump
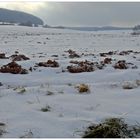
point(81, 66)
point(108, 53)
point(19, 57)
point(2, 56)
point(46, 108)
point(13, 68)
point(107, 61)
point(81, 63)
point(79, 69)
point(84, 66)
point(138, 82)
point(2, 128)
point(112, 128)
point(20, 90)
point(49, 63)
point(1, 84)
point(121, 64)
point(126, 52)
point(55, 55)
point(27, 135)
point(129, 85)
point(72, 54)
point(83, 88)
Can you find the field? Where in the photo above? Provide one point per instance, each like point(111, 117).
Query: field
point(46, 101)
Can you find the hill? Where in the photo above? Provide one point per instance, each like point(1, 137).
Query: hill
point(12, 16)
point(104, 28)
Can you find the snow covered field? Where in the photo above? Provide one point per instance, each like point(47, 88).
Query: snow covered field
point(22, 96)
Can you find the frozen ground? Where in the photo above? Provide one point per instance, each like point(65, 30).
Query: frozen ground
point(70, 112)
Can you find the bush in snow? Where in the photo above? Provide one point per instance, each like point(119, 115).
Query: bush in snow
point(13, 68)
point(2, 128)
point(49, 63)
point(112, 128)
point(129, 85)
point(46, 108)
point(83, 88)
point(136, 30)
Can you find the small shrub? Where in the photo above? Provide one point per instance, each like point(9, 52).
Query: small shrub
point(121, 64)
point(46, 108)
point(2, 128)
point(83, 88)
point(112, 128)
point(84, 66)
point(1, 84)
point(108, 53)
point(125, 52)
point(69, 84)
point(50, 93)
point(72, 54)
point(20, 90)
point(107, 60)
point(19, 57)
point(61, 92)
point(79, 69)
point(138, 82)
point(2, 56)
point(13, 68)
point(81, 66)
point(27, 135)
point(129, 85)
point(49, 63)
point(2, 124)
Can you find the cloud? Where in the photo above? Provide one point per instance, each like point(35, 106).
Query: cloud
point(23, 6)
point(82, 13)
point(91, 13)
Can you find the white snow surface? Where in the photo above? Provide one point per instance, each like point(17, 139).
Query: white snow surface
point(71, 112)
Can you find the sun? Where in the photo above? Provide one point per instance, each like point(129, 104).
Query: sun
point(23, 6)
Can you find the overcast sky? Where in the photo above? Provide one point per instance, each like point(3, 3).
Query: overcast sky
point(81, 13)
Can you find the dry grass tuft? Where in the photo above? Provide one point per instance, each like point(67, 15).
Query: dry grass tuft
point(13, 68)
point(46, 108)
point(49, 63)
point(112, 128)
point(83, 88)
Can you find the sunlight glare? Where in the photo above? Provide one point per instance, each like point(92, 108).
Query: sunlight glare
point(23, 6)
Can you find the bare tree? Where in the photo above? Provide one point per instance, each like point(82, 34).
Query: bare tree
point(136, 30)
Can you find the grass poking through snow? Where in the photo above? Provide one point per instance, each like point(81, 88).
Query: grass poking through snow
point(46, 108)
point(83, 88)
point(112, 128)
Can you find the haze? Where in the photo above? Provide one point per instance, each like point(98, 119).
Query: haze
point(81, 13)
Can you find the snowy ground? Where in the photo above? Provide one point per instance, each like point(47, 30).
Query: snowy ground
point(70, 112)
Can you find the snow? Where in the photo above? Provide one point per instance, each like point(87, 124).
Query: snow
point(71, 112)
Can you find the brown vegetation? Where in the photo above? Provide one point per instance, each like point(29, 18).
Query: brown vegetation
point(107, 61)
point(108, 53)
point(72, 54)
point(49, 63)
point(83, 88)
point(84, 66)
point(19, 57)
point(2, 56)
point(112, 128)
point(81, 66)
point(13, 68)
point(121, 64)
point(126, 52)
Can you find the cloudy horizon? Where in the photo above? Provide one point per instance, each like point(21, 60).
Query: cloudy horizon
point(124, 14)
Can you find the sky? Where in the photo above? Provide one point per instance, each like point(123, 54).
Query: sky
point(81, 13)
